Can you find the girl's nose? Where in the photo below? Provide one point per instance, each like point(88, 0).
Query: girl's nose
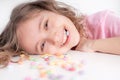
point(54, 38)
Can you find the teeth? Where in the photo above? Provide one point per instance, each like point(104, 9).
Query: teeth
point(66, 33)
point(65, 37)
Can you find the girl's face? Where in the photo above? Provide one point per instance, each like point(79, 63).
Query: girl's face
point(47, 32)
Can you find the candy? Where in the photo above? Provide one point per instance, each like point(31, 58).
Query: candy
point(28, 78)
point(47, 69)
point(71, 69)
point(32, 59)
point(46, 59)
point(43, 74)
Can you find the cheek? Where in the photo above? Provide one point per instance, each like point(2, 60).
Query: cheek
point(56, 50)
point(51, 49)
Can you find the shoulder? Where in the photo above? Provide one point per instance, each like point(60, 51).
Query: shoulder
point(103, 24)
point(99, 16)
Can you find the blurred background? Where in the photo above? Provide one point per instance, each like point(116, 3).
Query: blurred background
point(84, 6)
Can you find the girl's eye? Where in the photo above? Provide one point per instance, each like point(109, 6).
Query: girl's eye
point(46, 25)
point(42, 46)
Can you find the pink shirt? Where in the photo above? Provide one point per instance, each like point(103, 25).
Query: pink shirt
point(103, 24)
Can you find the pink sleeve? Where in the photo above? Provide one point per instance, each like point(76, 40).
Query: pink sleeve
point(103, 24)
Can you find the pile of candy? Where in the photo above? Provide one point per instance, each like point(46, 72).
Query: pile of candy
point(55, 67)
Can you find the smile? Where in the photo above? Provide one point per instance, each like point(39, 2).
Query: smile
point(65, 37)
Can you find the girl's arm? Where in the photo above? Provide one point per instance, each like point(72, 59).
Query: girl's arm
point(105, 30)
point(109, 45)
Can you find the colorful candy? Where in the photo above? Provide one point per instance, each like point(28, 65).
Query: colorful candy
point(51, 63)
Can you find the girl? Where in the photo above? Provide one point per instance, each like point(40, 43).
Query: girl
point(48, 26)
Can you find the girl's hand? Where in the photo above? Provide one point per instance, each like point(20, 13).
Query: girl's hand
point(85, 45)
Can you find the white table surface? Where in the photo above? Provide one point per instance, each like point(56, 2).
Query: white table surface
point(95, 66)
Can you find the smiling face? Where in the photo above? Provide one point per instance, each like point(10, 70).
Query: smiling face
point(47, 32)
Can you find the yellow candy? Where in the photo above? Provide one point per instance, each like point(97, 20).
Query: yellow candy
point(22, 55)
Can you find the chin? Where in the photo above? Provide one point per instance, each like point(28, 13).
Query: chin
point(74, 46)
point(66, 49)
point(75, 43)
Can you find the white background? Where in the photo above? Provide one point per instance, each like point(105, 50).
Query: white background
point(84, 6)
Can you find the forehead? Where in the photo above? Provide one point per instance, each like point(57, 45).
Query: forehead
point(29, 16)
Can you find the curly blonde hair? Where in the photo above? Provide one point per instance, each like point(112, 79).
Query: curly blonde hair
point(9, 45)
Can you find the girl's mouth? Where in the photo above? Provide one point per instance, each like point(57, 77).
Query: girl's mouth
point(65, 37)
